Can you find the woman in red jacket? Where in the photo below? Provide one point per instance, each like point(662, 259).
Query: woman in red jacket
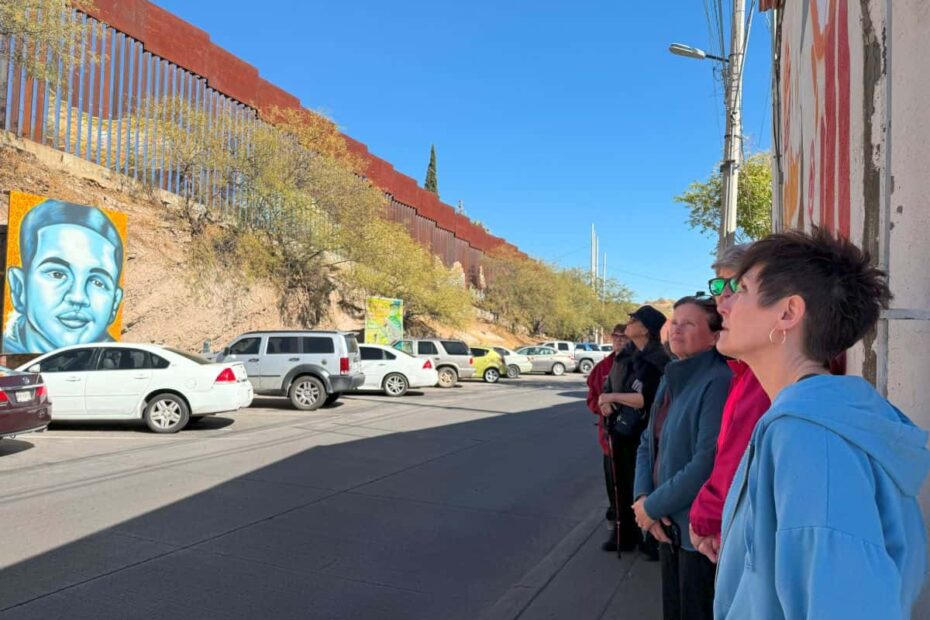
point(745, 405)
point(596, 379)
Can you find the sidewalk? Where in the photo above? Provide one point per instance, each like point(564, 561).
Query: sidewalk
point(577, 580)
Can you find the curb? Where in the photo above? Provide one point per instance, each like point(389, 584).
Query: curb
point(520, 595)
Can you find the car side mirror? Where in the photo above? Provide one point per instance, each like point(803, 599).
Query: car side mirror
point(35, 368)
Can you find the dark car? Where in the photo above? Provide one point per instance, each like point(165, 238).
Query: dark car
point(24, 406)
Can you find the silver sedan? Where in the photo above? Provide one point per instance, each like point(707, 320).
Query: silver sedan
point(548, 360)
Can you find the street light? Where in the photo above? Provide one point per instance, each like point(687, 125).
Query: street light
point(680, 49)
point(732, 147)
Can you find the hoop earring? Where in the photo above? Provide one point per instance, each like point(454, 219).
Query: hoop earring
point(784, 336)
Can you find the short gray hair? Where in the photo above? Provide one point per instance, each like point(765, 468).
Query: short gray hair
point(731, 258)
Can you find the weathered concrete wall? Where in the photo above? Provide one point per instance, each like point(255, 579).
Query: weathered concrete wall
point(853, 142)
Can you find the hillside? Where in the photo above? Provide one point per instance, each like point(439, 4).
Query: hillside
point(164, 301)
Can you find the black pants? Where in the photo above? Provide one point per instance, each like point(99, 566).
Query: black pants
point(624, 449)
point(609, 483)
point(687, 584)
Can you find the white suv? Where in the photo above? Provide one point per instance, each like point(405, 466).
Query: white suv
point(311, 368)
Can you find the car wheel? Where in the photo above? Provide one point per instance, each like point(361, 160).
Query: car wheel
point(513, 371)
point(448, 377)
point(307, 393)
point(585, 366)
point(166, 413)
point(395, 384)
point(558, 369)
point(331, 399)
point(492, 375)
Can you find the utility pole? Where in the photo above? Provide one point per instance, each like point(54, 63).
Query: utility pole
point(733, 143)
point(604, 278)
point(594, 266)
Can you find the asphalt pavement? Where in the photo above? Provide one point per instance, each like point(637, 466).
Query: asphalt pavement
point(483, 501)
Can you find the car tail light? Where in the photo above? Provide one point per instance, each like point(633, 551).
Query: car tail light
point(471, 361)
point(343, 365)
point(4, 399)
point(41, 393)
point(227, 376)
point(428, 365)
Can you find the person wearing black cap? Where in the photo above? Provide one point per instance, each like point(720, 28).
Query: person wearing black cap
point(626, 400)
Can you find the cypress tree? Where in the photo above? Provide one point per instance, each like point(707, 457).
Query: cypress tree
point(432, 184)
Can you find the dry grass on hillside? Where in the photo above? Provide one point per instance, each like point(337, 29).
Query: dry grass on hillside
point(165, 302)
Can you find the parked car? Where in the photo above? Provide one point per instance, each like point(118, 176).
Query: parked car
point(24, 405)
point(165, 387)
point(588, 354)
point(563, 346)
point(515, 362)
point(310, 368)
point(451, 358)
point(393, 372)
point(548, 360)
point(489, 365)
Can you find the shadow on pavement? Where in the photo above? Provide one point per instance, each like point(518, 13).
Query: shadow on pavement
point(432, 523)
point(10, 446)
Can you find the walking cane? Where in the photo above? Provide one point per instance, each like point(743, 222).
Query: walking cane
point(608, 427)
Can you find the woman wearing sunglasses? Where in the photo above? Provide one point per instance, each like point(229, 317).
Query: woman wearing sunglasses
point(745, 404)
point(822, 519)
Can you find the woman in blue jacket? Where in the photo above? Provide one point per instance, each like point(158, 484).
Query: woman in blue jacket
point(676, 455)
point(822, 519)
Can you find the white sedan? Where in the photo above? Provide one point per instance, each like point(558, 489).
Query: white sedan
point(393, 371)
point(120, 381)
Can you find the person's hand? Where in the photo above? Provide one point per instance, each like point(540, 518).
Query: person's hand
point(643, 520)
point(607, 410)
point(707, 545)
point(658, 533)
point(603, 399)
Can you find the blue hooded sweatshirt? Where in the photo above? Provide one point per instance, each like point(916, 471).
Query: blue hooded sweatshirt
point(822, 520)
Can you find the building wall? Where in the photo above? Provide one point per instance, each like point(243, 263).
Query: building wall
point(852, 140)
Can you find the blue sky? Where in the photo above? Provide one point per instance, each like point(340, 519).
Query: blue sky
point(546, 116)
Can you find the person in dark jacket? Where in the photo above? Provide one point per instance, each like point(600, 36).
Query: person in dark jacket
point(627, 397)
point(676, 455)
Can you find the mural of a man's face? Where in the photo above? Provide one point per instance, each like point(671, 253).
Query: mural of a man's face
point(69, 290)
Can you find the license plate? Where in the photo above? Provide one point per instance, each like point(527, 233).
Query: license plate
point(23, 397)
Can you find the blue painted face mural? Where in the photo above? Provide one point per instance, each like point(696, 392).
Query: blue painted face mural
point(67, 289)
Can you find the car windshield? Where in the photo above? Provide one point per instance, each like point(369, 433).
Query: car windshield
point(189, 356)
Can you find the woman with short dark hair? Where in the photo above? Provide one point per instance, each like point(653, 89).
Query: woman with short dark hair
point(822, 519)
point(676, 455)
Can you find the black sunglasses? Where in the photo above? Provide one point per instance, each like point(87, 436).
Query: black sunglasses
point(717, 286)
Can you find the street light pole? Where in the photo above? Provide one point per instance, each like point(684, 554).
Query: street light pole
point(733, 143)
point(733, 139)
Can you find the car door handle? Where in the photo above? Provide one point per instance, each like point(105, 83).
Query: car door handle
point(140, 376)
point(253, 359)
point(293, 359)
point(73, 379)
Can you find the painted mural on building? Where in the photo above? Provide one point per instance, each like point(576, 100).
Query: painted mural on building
point(384, 320)
point(816, 115)
point(64, 275)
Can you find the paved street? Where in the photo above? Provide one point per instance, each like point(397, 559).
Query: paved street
point(484, 501)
